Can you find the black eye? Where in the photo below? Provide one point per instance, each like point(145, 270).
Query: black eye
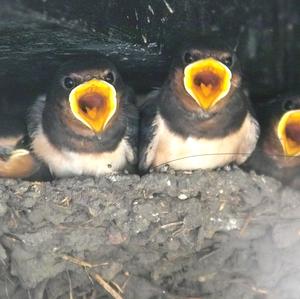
point(188, 58)
point(109, 77)
point(69, 83)
point(289, 105)
point(227, 61)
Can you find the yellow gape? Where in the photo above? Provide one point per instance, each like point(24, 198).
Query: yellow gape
point(288, 132)
point(94, 103)
point(207, 81)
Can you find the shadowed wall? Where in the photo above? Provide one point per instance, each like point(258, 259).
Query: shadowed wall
point(141, 35)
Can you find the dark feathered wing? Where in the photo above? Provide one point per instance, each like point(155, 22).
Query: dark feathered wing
point(147, 130)
point(131, 134)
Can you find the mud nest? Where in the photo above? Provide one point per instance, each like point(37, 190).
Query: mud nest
point(217, 234)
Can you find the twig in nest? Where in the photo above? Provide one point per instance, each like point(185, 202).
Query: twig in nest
point(70, 285)
point(222, 205)
point(102, 282)
point(76, 261)
point(105, 285)
point(245, 225)
point(120, 290)
point(172, 224)
point(126, 281)
point(65, 203)
point(259, 290)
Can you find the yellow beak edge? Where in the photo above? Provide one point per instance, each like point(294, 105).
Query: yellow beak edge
point(94, 103)
point(207, 81)
point(288, 132)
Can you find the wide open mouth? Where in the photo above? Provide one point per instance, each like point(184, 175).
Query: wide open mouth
point(94, 103)
point(288, 132)
point(207, 81)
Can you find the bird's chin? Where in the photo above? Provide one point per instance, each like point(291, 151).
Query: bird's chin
point(207, 81)
point(288, 132)
point(94, 103)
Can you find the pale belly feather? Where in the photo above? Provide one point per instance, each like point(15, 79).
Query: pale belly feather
point(193, 153)
point(65, 162)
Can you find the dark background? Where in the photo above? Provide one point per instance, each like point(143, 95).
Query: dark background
point(140, 35)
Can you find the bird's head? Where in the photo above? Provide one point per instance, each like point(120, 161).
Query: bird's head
point(204, 75)
point(87, 93)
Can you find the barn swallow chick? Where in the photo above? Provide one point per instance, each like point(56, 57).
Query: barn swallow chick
point(278, 150)
point(201, 117)
point(86, 125)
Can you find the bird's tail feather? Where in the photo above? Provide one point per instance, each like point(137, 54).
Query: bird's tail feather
point(19, 164)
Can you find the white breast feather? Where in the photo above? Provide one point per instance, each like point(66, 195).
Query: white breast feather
point(193, 153)
point(66, 163)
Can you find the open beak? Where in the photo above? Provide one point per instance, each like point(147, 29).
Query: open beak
point(94, 103)
point(207, 81)
point(288, 132)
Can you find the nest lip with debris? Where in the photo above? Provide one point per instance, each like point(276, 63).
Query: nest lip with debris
point(201, 234)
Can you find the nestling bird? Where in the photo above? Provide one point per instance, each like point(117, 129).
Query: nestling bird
point(278, 149)
point(201, 118)
point(86, 125)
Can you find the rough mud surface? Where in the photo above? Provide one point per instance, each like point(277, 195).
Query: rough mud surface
point(218, 234)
